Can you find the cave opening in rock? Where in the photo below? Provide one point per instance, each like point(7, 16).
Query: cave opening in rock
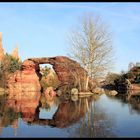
point(49, 77)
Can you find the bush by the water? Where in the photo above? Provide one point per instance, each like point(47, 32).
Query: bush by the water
point(8, 65)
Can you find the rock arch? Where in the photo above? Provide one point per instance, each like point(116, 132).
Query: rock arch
point(69, 72)
point(65, 68)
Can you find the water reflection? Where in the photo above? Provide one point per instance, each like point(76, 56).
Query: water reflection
point(67, 113)
point(132, 99)
point(8, 116)
point(96, 122)
point(78, 117)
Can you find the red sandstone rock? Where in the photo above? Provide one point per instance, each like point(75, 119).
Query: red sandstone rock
point(69, 72)
point(1, 48)
point(27, 79)
point(24, 81)
point(15, 54)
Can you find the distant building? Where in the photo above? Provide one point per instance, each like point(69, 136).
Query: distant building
point(138, 64)
point(130, 66)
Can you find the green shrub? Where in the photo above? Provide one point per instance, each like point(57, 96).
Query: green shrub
point(10, 64)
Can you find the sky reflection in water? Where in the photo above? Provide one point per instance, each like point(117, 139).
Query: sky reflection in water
point(96, 116)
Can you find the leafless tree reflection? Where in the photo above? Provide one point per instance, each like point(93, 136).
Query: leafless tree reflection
point(96, 122)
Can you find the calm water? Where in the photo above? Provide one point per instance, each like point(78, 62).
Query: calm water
point(96, 116)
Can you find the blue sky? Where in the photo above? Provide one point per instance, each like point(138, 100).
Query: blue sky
point(40, 29)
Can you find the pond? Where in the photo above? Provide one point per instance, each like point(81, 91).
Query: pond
point(94, 116)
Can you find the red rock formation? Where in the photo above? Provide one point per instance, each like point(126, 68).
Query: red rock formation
point(64, 67)
point(69, 72)
point(24, 83)
point(1, 48)
point(15, 54)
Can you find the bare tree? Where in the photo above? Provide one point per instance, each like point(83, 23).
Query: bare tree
point(91, 45)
